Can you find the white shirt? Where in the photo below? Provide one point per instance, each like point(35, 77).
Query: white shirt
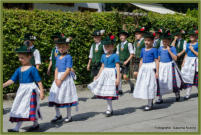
point(36, 55)
point(155, 40)
point(96, 48)
point(130, 47)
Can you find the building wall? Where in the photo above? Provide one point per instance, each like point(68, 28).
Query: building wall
point(98, 6)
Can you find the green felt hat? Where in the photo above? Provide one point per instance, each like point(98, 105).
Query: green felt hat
point(179, 32)
point(193, 32)
point(124, 33)
point(56, 35)
point(23, 49)
point(29, 36)
point(149, 35)
point(109, 40)
point(167, 35)
point(140, 29)
point(158, 30)
point(97, 33)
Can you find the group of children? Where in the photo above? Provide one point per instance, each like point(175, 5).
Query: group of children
point(155, 58)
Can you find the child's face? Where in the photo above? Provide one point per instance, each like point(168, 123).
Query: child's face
point(138, 35)
point(97, 39)
point(24, 59)
point(148, 42)
point(63, 48)
point(109, 48)
point(193, 37)
point(166, 42)
point(122, 37)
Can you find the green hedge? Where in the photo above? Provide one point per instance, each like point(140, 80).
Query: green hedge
point(79, 25)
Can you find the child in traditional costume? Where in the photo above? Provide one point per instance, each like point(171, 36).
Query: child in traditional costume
point(146, 84)
point(106, 83)
point(29, 42)
point(26, 103)
point(63, 91)
point(189, 68)
point(170, 79)
point(126, 53)
point(96, 51)
point(157, 40)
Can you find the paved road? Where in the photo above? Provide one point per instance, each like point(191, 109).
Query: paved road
point(128, 115)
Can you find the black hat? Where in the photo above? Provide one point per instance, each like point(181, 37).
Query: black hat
point(23, 49)
point(109, 40)
point(56, 35)
point(167, 35)
point(98, 32)
point(29, 36)
point(149, 35)
point(179, 32)
point(63, 40)
point(124, 33)
point(140, 29)
point(193, 32)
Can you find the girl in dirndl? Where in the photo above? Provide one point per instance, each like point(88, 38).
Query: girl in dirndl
point(170, 79)
point(189, 68)
point(105, 84)
point(26, 103)
point(146, 84)
point(63, 91)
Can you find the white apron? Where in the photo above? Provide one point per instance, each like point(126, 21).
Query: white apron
point(66, 93)
point(21, 105)
point(166, 77)
point(146, 85)
point(189, 68)
point(105, 84)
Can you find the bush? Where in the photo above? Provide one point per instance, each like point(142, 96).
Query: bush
point(43, 24)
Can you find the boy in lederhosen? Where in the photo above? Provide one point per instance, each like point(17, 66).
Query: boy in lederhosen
point(54, 53)
point(157, 40)
point(180, 45)
point(138, 45)
point(96, 51)
point(29, 42)
point(126, 53)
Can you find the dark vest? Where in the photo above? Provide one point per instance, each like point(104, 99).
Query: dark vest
point(124, 54)
point(96, 59)
point(138, 48)
point(32, 58)
point(54, 55)
point(180, 46)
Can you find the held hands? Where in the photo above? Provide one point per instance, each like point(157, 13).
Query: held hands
point(58, 82)
point(156, 75)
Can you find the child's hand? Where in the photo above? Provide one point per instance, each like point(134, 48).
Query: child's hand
point(42, 96)
point(125, 63)
point(95, 78)
point(156, 75)
point(58, 82)
point(191, 47)
point(117, 82)
point(88, 67)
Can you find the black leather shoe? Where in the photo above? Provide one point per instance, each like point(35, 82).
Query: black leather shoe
point(33, 128)
point(108, 113)
point(159, 101)
point(56, 119)
point(12, 130)
point(67, 120)
point(120, 92)
point(132, 89)
point(148, 108)
point(94, 97)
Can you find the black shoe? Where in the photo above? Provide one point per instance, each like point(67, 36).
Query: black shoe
point(12, 130)
point(186, 97)
point(33, 128)
point(67, 120)
point(94, 97)
point(120, 92)
point(56, 119)
point(159, 101)
point(108, 113)
point(148, 108)
point(132, 88)
point(178, 98)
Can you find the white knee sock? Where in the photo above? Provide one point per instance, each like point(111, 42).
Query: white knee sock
point(18, 125)
point(160, 97)
point(57, 111)
point(68, 112)
point(109, 105)
point(150, 102)
point(188, 91)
